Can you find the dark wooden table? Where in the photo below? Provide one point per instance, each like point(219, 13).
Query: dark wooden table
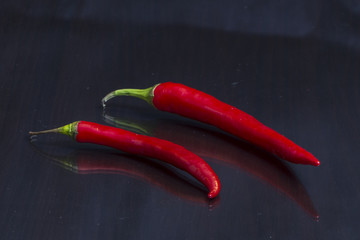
point(294, 66)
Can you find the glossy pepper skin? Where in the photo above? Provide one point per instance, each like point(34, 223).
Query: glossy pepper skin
point(191, 103)
point(126, 141)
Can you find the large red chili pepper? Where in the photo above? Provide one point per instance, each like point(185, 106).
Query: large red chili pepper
point(226, 150)
point(133, 143)
point(194, 104)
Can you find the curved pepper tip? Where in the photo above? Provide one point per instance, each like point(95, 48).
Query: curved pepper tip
point(213, 193)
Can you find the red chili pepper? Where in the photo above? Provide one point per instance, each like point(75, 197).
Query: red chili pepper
point(88, 132)
point(194, 104)
point(226, 150)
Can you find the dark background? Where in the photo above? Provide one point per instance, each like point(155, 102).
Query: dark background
point(294, 65)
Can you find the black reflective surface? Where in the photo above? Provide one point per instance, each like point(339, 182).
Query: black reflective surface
point(294, 66)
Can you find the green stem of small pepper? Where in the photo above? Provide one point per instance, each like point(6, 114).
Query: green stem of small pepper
point(69, 130)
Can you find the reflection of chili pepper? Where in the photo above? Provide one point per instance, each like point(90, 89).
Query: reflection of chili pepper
point(191, 103)
point(88, 162)
point(147, 146)
point(226, 150)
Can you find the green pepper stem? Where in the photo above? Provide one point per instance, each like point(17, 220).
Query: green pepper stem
point(69, 130)
point(146, 94)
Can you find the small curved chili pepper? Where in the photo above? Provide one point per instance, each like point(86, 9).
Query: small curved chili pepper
point(178, 156)
point(188, 102)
